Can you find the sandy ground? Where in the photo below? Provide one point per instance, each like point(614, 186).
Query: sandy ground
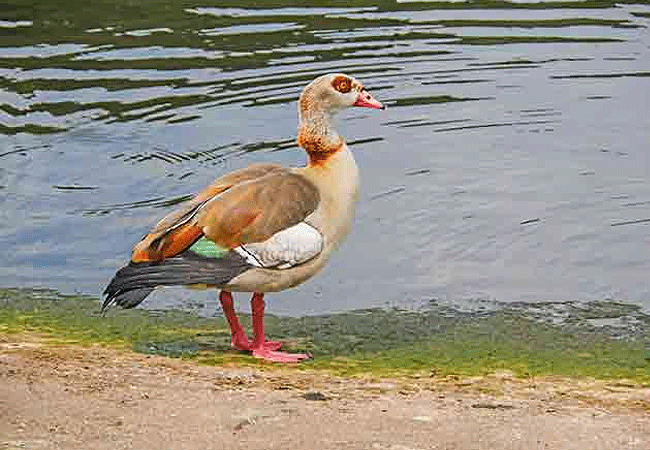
point(97, 398)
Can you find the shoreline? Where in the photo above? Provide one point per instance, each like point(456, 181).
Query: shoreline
point(439, 341)
point(386, 380)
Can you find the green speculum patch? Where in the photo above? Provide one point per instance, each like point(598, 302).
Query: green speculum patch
point(206, 247)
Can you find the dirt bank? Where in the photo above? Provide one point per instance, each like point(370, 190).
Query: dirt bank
point(99, 398)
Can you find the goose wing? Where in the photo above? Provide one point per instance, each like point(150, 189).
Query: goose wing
point(244, 207)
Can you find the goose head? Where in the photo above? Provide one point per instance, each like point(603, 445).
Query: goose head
point(333, 92)
point(323, 97)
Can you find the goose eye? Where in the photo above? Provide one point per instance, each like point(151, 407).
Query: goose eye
point(342, 84)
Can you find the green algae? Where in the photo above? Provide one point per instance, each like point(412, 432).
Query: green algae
point(29, 128)
point(438, 341)
point(160, 37)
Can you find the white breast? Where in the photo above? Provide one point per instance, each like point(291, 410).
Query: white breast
point(338, 185)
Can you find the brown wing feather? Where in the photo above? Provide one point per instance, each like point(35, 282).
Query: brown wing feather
point(177, 231)
point(248, 205)
point(255, 210)
point(221, 184)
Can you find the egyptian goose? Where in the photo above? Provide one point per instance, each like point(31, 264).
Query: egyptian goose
point(261, 229)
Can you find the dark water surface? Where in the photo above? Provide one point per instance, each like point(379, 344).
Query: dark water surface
point(513, 163)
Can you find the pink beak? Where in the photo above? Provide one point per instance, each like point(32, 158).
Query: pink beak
point(365, 100)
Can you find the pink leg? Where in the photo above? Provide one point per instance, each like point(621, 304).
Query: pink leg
point(260, 346)
point(239, 339)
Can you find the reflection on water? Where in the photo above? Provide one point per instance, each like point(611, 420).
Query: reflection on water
point(511, 164)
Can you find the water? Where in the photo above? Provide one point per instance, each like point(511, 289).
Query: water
point(511, 165)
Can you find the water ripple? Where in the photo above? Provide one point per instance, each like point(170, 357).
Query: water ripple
point(509, 164)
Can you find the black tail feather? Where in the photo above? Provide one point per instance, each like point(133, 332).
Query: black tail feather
point(135, 281)
point(127, 299)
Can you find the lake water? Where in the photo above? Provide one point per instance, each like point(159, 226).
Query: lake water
point(512, 165)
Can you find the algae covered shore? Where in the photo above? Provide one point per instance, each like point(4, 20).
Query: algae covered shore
point(562, 376)
point(605, 340)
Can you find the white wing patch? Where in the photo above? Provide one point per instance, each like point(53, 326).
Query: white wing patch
point(285, 249)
